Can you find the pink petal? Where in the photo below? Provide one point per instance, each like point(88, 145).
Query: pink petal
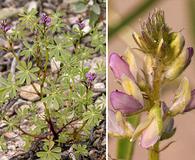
point(119, 67)
point(124, 103)
point(113, 126)
point(150, 135)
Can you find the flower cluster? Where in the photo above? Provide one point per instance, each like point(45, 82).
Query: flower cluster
point(81, 24)
point(4, 26)
point(90, 77)
point(45, 19)
point(165, 59)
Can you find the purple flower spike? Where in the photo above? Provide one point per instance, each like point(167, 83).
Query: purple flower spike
point(191, 104)
point(119, 67)
point(90, 77)
point(45, 19)
point(4, 26)
point(124, 103)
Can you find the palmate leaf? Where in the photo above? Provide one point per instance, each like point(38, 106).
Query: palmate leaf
point(28, 51)
point(98, 41)
point(80, 150)
point(56, 22)
point(92, 116)
point(50, 152)
point(8, 87)
point(54, 98)
point(26, 72)
point(28, 19)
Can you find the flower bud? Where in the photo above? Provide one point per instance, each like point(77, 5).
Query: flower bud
point(119, 67)
point(137, 39)
point(131, 88)
point(168, 130)
point(182, 98)
point(117, 126)
point(191, 104)
point(179, 64)
point(124, 103)
point(141, 82)
point(130, 59)
point(177, 43)
point(148, 69)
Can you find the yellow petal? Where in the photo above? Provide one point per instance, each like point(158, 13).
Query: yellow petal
point(131, 88)
point(130, 59)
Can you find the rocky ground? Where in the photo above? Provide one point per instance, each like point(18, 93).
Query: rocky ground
point(97, 141)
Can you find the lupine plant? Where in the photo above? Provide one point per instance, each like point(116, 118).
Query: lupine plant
point(164, 60)
point(66, 94)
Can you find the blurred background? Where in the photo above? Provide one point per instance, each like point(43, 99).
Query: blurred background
point(124, 18)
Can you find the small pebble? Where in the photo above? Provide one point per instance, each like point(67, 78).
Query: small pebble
point(28, 92)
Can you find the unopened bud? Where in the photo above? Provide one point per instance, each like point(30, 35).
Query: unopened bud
point(182, 98)
point(177, 44)
point(179, 64)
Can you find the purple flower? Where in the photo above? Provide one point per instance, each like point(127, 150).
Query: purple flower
point(124, 103)
point(119, 67)
point(4, 26)
point(45, 19)
point(80, 24)
point(90, 77)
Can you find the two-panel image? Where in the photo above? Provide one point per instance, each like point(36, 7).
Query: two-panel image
point(97, 80)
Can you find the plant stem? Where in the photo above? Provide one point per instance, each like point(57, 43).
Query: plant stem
point(154, 152)
point(158, 69)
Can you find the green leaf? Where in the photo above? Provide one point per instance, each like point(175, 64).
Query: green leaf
point(29, 19)
point(8, 87)
point(54, 98)
point(96, 9)
point(80, 150)
point(93, 116)
point(50, 152)
point(79, 7)
point(26, 72)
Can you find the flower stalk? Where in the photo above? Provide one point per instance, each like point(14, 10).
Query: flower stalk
point(154, 152)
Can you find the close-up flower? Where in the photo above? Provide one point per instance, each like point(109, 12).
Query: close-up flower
point(45, 19)
point(157, 57)
point(4, 26)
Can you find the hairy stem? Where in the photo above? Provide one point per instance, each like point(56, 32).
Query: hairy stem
point(158, 69)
